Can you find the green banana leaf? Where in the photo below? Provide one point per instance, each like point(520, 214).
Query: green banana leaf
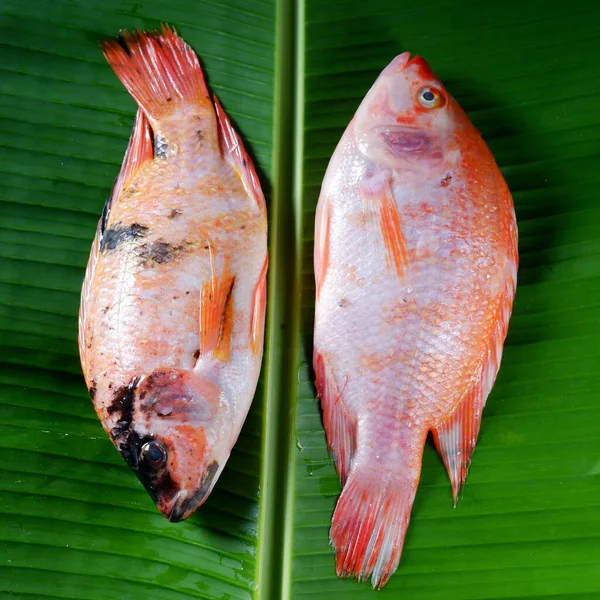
point(74, 521)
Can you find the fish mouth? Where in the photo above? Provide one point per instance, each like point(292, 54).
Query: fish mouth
point(184, 503)
point(178, 508)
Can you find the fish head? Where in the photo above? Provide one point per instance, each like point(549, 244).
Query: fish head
point(408, 120)
point(172, 441)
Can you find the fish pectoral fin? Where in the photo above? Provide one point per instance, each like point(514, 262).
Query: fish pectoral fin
point(216, 313)
point(339, 422)
point(259, 302)
point(233, 148)
point(456, 435)
point(381, 207)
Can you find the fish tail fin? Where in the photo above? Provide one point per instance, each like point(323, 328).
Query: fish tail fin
point(158, 69)
point(370, 522)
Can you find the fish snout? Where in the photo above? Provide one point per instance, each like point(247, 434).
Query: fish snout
point(185, 502)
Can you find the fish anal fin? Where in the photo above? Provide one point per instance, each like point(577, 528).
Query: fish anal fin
point(216, 313)
point(259, 303)
point(339, 423)
point(139, 151)
point(233, 148)
point(321, 253)
point(456, 435)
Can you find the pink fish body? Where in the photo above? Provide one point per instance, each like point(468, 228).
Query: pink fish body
point(173, 303)
point(415, 267)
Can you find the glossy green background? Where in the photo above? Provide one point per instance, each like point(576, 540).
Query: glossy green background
point(74, 522)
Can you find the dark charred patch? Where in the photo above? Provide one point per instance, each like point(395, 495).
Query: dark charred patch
point(197, 354)
point(169, 99)
point(160, 252)
point(199, 135)
point(119, 234)
point(92, 389)
point(156, 482)
point(174, 214)
point(244, 163)
point(123, 405)
point(105, 309)
point(121, 41)
point(446, 181)
point(343, 302)
point(161, 147)
point(104, 217)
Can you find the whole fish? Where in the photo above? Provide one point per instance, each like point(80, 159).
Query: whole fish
point(173, 302)
point(415, 268)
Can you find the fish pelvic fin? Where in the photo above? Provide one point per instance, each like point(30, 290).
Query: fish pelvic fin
point(456, 435)
point(216, 312)
point(233, 149)
point(339, 422)
point(370, 522)
point(321, 251)
point(158, 69)
point(385, 219)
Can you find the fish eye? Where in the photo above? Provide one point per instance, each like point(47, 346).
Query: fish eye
point(430, 97)
point(154, 454)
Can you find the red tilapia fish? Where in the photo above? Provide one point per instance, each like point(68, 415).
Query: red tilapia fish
point(173, 302)
point(415, 267)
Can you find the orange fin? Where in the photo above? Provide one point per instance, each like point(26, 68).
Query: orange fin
point(233, 148)
point(381, 202)
point(216, 312)
point(259, 302)
point(157, 68)
point(139, 151)
point(340, 425)
point(321, 251)
point(456, 436)
point(370, 522)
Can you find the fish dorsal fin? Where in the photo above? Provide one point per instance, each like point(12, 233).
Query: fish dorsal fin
point(233, 148)
point(385, 220)
point(456, 435)
point(216, 311)
point(139, 150)
point(339, 422)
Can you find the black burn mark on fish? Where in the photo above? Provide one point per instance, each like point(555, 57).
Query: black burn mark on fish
point(122, 404)
point(104, 217)
point(161, 147)
point(119, 234)
point(196, 354)
point(160, 252)
point(92, 390)
point(123, 43)
point(446, 180)
point(157, 482)
point(174, 214)
point(199, 135)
